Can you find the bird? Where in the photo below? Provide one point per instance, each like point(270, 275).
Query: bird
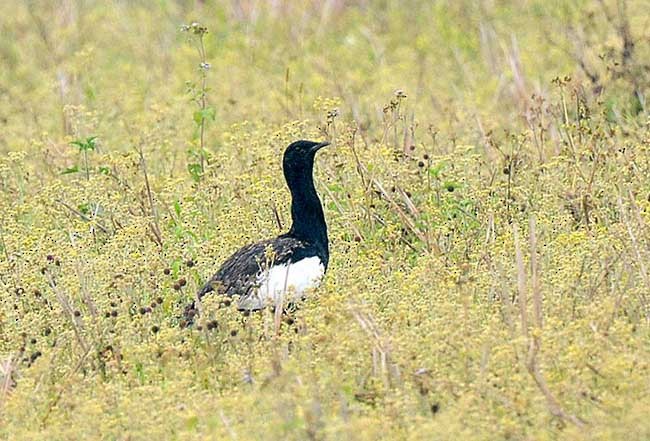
point(284, 268)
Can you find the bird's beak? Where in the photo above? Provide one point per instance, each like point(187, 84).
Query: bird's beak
point(317, 147)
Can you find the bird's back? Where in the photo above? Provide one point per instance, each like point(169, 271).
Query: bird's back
point(259, 270)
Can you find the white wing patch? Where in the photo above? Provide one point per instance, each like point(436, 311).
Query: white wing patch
point(283, 283)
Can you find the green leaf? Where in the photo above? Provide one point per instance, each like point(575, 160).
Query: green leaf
point(192, 422)
point(84, 208)
point(207, 113)
point(105, 170)
point(177, 208)
point(195, 171)
point(73, 169)
point(435, 170)
point(335, 188)
point(85, 144)
point(179, 232)
point(176, 267)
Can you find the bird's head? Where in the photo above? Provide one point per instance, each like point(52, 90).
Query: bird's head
point(299, 158)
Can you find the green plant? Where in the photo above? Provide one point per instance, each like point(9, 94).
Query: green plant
point(84, 145)
point(198, 93)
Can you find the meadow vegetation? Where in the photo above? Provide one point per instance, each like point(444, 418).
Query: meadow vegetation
point(487, 193)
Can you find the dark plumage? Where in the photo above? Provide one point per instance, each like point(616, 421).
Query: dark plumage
point(302, 253)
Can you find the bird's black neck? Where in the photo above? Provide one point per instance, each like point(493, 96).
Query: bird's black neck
point(306, 211)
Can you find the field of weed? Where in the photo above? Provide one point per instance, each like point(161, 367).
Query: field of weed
point(487, 193)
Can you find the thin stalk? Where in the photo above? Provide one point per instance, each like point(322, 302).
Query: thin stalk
point(203, 101)
point(86, 163)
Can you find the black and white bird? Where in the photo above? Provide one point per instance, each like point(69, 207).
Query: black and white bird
point(298, 259)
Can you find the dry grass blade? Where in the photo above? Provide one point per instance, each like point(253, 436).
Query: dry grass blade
point(82, 216)
point(68, 310)
point(408, 222)
point(64, 384)
point(155, 228)
point(280, 303)
point(537, 295)
point(7, 382)
point(534, 339)
point(381, 354)
point(340, 209)
point(638, 257)
point(521, 282)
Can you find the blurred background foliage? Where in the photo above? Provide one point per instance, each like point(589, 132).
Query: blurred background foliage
point(487, 195)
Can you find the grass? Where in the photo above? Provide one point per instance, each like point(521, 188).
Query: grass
point(487, 197)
